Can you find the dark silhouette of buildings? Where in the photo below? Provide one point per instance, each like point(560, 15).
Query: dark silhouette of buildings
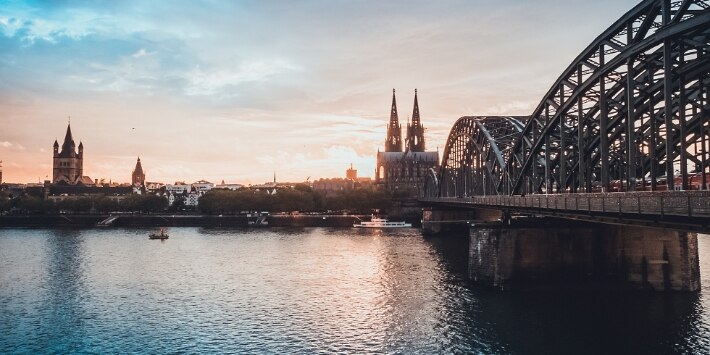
point(333, 187)
point(138, 176)
point(405, 170)
point(68, 165)
point(63, 192)
point(349, 174)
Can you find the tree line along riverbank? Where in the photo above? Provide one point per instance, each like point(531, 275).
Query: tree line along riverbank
point(215, 202)
point(179, 220)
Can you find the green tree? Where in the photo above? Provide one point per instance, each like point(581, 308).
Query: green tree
point(153, 203)
point(30, 204)
point(104, 204)
point(303, 188)
point(144, 203)
point(5, 204)
point(178, 204)
point(75, 205)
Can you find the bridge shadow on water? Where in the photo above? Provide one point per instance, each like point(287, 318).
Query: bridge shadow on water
point(578, 319)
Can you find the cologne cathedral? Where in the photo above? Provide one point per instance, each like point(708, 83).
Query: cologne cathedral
point(405, 169)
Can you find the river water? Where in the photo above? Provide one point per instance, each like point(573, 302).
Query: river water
point(313, 290)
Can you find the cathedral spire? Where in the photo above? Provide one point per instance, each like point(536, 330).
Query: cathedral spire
point(394, 117)
point(415, 130)
point(393, 143)
point(415, 114)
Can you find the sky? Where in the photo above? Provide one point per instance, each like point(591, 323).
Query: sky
point(238, 90)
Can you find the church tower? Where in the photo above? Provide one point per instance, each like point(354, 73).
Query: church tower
point(68, 164)
point(415, 130)
point(138, 177)
point(394, 130)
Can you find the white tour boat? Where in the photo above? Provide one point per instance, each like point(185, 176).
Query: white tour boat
point(382, 223)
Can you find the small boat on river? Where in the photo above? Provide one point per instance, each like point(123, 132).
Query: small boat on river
point(382, 223)
point(162, 235)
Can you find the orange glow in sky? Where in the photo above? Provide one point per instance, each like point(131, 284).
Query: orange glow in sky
point(236, 91)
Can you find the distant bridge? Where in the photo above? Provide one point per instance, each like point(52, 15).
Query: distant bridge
point(626, 120)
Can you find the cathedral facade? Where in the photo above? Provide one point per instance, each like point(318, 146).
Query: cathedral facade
point(405, 168)
point(68, 164)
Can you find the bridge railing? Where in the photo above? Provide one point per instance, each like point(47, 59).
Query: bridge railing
point(676, 203)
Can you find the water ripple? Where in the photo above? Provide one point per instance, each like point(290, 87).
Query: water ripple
point(305, 291)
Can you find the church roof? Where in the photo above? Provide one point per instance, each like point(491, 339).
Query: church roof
point(139, 168)
point(86, 181)
point(68, 145)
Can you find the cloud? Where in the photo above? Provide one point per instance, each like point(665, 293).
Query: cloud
point(312, 163)
point(141, 53)
point(210, 86)
point(12, 146)
point(219, 81)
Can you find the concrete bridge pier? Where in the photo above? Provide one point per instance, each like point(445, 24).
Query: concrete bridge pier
point(443, 220)
point(630, 257)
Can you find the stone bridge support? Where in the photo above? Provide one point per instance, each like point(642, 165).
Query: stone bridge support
point(441, 220)
point(631, 257)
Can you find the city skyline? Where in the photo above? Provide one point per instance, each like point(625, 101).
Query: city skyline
point(237, 91)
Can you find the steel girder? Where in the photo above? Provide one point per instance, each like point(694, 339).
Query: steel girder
point(631, 110)
point(475, 155)
point(431, 184)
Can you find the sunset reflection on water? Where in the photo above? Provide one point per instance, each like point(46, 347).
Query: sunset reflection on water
point(305, 290)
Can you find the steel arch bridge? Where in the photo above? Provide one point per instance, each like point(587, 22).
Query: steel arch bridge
point(476, 153)
point(630, 113)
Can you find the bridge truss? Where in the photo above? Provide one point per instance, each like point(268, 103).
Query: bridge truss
point(630, 113)
point(475, 155)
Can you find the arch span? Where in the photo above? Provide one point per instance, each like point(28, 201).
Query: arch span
point(475, 155)
point(630, 112)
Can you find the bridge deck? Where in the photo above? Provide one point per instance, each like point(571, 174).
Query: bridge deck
point(689, 208)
